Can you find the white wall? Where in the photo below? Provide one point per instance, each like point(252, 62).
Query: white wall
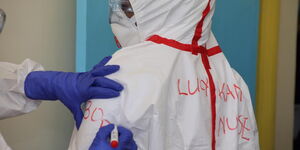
point(43, 30)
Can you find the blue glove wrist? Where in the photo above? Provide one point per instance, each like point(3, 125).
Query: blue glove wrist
point(39, 85)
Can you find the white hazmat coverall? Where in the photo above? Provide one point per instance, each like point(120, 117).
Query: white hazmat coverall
point(13, 101)
point(180, 91)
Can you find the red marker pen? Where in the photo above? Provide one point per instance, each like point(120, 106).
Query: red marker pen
point(114, 137)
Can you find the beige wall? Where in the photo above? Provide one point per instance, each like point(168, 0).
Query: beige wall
point(286, 74)
point(43, 30)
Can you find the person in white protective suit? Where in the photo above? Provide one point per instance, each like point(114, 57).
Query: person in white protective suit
point(180, 91)
point(21, 87)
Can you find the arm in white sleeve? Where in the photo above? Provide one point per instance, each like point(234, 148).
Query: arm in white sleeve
point(13, 101)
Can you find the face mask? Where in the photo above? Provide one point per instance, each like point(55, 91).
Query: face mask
point(125, 30)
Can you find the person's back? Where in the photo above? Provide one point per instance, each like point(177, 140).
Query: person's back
point(180, 91)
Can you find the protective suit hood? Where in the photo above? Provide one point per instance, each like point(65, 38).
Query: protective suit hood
point(173, 19)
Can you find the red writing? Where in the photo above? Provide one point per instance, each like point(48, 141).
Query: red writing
point(95, 114)
point(193, 88)
point(234, 91)
point(225, 92)
point(239, 123)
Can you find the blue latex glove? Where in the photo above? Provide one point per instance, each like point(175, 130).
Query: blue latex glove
point(102, 139)
point(72, 89)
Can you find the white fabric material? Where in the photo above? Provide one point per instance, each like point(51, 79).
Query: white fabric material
point(125, 27)
point(166, 100)
point(13, 101)
point(3, 144)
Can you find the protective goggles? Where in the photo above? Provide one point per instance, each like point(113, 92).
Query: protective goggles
point(120, 9)
point(2, 19)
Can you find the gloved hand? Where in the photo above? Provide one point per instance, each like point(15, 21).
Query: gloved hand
point(101, 141)
point(72, 89)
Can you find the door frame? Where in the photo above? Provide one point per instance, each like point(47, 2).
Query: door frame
point(286, 74)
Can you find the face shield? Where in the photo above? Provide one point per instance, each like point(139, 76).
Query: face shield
point(123, 23)
point(2, 19)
